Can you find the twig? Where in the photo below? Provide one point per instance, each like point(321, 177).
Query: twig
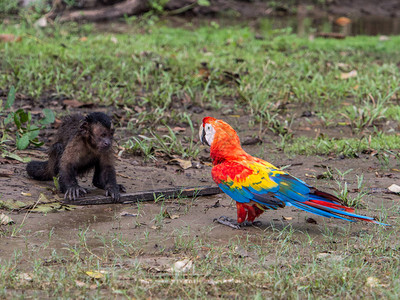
point(176, 192)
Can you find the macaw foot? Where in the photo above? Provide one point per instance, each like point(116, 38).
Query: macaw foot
point(228, 222)
point(234, 224)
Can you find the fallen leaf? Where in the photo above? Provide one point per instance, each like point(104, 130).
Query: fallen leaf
point(80, 283)
point(7, 38)
point(5, 220)
point(383, 38)
point(26, 194)
point(83, 39)
point(184, 164)
point(179, 129)
point(204, 73)
point(348, 75)
point(52, 207)
point(42, 22)
point(343, 66)
point(394, 188)
point(342, 21)
point(241, 252)
point(181, 266)
point(12, 204)
point(166, 214)
point(25, 277)
point(114, 39)
point(372, 282)
point(43, 199)
point(287, 218)
point(96, 274)
point(6, 173)
point(329, 257)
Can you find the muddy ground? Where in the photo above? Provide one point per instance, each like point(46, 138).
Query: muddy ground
point(195, 215)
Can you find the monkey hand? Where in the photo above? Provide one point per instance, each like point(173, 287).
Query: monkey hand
point(74, 192)
point(113, 191)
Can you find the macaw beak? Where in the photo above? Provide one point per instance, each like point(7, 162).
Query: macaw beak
point(202, 134)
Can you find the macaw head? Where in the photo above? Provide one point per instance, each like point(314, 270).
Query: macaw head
point(217, 131)
point(207, 131)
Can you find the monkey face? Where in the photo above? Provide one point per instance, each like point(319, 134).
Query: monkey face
point(102, 137)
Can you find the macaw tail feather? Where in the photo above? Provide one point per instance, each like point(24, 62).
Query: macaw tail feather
point(333, 210)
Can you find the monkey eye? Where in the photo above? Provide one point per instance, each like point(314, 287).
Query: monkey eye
point(103, 134)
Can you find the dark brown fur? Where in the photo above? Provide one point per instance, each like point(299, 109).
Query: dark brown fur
point(81, 144)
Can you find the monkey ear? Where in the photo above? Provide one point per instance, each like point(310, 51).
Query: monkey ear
point(84, 127)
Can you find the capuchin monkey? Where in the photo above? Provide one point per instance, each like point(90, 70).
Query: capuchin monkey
point(81, 144)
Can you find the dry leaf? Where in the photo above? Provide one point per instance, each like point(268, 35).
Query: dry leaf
point(184, 164)
point(287, 218)
point(83, 39)
point(42, 22)
point(96, 274)
point(348, 75)
point(179, 129)
point(114, 39)
point(394, 188)
point(328, 256)
point(6, 173)
point(342, 21)
point(80, 283)
point(25, 277)
point(181, 266)
point(372, 282)
point(5, 220)
point(166, 214)
point(7, 38)
point(343, 66)
point(26, 194)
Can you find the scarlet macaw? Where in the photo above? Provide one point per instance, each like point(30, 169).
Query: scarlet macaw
point(257, 185)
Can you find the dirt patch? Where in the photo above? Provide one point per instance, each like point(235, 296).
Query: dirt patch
point(196, 214)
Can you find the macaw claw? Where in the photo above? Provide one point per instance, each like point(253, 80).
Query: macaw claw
point(234, 224)
point(228, 222)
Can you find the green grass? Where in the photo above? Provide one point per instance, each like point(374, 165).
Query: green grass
point(350, 147)
point(165, 62)
point(281, 262)
point(151, 71)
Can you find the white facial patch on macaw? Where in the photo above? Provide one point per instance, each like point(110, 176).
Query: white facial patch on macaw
point(206, 134)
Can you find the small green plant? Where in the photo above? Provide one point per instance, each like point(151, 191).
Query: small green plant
point(9, 7)
point(27, 130)
point(343, 194)
point(142, 145)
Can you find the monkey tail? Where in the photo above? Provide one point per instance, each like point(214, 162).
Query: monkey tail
point(39, 170)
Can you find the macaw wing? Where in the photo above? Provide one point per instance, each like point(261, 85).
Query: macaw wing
point(247, 184)
point(256, 182)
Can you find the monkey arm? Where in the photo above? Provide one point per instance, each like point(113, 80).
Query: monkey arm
point(105, 178)
point(69, 184)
